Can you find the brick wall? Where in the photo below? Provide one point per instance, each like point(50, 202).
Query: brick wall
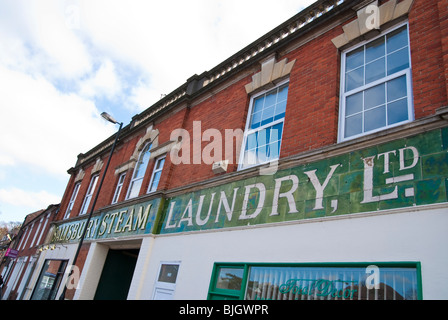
point(311, 119)
point(428, 64)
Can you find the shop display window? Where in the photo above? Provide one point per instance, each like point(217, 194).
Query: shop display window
point(351, 281)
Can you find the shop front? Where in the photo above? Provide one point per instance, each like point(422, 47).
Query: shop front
point(357, 225)
point(364, 224)
point(112, 244)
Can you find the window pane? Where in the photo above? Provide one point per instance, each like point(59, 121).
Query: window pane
point(375, 50)
point(330, 283)
point(354, 79)
point(49, 280)
point(256, 120)
point(397, 61)
point(280, 110)
point(159, 164)
point(250, 158)
point(397, 111)
point(135, 188)
point(354, 59)
point(262, 154)
point(155, 181)
point(268, 115)
point(119, 187)
point(141, 165)
point(168, 273)
point(375, 118)
point(396, 89)
point(266, 109)
point(258, 105)
point(282, 94)
point(375, 70)
point(353, 125)
point(354, 103)
point(276, 132)
point(274, 150)
point(251, 141)
point(270, 100)
point(374, 97)
point(230, 278)
point(262, 137)
point(397, 39)
point(373, 63)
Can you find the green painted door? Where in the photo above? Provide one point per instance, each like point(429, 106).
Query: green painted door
point(117, 275)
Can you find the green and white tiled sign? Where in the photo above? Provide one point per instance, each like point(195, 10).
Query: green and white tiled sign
point(403, 173)
point(131, 220)
point(407, 172)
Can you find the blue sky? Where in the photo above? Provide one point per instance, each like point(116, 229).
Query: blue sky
point(63, 62)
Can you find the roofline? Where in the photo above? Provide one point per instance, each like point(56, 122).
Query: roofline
point(303, 22)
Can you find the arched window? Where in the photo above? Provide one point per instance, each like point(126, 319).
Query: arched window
point(139, 172)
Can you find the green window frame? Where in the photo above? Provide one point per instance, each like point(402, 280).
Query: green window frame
point(234, 281)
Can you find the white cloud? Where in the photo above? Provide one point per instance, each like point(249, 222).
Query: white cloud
point(6, 160)
point(104, 82)
point(62, 61)
point(32, 200)
point(43, 127)
point(172, 40)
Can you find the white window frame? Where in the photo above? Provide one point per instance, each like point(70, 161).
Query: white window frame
point(407, 72)
point(154, 171)
point(137, 179)
point(89, 194)
point(249, 131)
point(119, 187)
point(72, 200)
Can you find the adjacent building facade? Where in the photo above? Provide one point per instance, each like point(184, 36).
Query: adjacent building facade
point(20, 264)
point(312, 164)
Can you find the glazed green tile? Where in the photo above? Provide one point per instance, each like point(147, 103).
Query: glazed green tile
point(267, 181)
point(321, 166)
point(332, 187)
point(427, 142)
point(446, 189)
point(356, 206)
point(435, 165)
point(221, 220)
point(356, 157)
point(430, 191)
point(351, 182)
point(310, 212)
point(343, 161)
point(342, 205)
point(400, 201)
point(444, 133)
point(281, 210)
point(390, 147)
point(262, 217)
point(286, 185)
point(379, 177)
point(299, 215)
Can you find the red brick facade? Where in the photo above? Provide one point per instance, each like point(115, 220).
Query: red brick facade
point(312, 112)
